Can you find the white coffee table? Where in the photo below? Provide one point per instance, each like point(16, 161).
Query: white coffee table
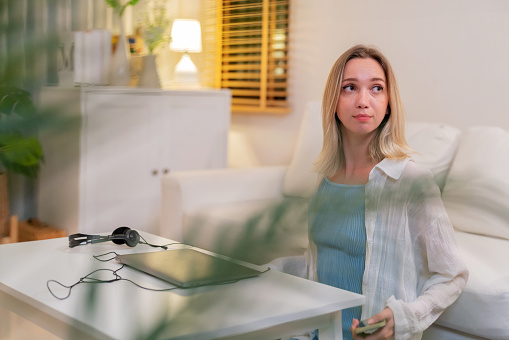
point(270, 306)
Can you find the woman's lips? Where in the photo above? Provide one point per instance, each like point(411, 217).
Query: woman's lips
point(362, 117)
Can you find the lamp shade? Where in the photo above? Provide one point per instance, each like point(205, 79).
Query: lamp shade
point(186, 36)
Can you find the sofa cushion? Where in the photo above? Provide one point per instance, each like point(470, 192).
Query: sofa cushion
point(435, 145)
point(482, 308)
point(476, 194)
point(253, 231)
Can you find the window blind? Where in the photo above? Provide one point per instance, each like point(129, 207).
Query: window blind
point(252, 56)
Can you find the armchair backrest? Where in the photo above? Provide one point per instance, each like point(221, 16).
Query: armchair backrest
point(300, 180)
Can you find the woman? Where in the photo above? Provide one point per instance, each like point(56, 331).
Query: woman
point(377, 224)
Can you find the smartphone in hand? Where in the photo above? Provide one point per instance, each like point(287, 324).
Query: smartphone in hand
point(365, 329)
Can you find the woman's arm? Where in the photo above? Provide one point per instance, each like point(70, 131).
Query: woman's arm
point(446, 278)
point(441, 273)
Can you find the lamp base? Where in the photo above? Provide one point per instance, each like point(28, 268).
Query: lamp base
point(186, 73)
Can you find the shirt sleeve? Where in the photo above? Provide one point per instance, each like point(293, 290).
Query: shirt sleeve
point(442, 273)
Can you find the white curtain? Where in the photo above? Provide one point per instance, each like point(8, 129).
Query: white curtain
point(36, 36)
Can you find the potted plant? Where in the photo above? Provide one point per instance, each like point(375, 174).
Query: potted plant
point(156, 27)
point(156, 33)
point(20, 150)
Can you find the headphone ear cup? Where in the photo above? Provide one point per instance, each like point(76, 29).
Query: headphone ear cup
point(121, 231)
point(132, 238)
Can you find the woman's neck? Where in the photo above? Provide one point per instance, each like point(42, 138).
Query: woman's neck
point(353, 174)
point(358, 164)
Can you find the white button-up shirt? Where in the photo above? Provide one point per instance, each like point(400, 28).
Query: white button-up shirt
point(412, 262)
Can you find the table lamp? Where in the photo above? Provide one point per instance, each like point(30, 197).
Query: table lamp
point(186, 37)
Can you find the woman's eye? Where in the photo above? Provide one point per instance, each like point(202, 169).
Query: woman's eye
point(377, 88)
point(348, 88)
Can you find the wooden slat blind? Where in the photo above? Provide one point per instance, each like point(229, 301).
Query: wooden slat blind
point(210, 39)
point(253, 54)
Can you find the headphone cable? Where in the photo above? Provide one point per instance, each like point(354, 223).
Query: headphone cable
point(165, 247)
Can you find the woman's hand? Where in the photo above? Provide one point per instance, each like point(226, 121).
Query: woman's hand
point(386, 332)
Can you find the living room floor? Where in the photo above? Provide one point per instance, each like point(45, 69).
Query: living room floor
point(21, 329)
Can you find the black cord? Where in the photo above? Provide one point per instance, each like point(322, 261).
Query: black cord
point(88, 279)
point(85, 279)
point(97, 257)
point(165, 247)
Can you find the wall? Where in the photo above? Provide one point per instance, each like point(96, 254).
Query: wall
point(451, 59)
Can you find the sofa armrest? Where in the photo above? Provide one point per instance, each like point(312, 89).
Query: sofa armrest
point(185, 190)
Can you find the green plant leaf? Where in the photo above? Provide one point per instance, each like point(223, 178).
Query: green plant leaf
point(24, 151)
point(118, 7)
point(113, 3)
point(17, 101)
point(21, 154)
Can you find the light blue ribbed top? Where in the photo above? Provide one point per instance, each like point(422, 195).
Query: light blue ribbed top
point(338, 230)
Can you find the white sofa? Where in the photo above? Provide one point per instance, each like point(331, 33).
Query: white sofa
point(258, 214)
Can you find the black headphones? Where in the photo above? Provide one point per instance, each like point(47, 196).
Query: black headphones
point(122, 235)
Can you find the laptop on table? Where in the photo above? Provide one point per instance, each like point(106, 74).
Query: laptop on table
point(187, 267)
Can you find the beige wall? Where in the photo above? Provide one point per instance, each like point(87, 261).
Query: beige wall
point(451, 59)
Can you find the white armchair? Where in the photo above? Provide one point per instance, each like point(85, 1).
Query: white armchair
point(233, 212)
point(259, 214)
point(192, 191)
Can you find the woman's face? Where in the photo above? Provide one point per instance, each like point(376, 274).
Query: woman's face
point(363, 99)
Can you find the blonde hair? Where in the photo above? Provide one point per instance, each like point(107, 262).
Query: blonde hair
point(389, 141)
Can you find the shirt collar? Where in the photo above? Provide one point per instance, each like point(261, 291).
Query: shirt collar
point(392, 167)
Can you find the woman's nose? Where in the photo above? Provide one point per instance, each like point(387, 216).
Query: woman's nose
point(362, 99)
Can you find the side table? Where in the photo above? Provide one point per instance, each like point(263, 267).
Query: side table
point(270, 306)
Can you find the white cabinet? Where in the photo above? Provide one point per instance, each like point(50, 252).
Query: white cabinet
point(127, 140)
